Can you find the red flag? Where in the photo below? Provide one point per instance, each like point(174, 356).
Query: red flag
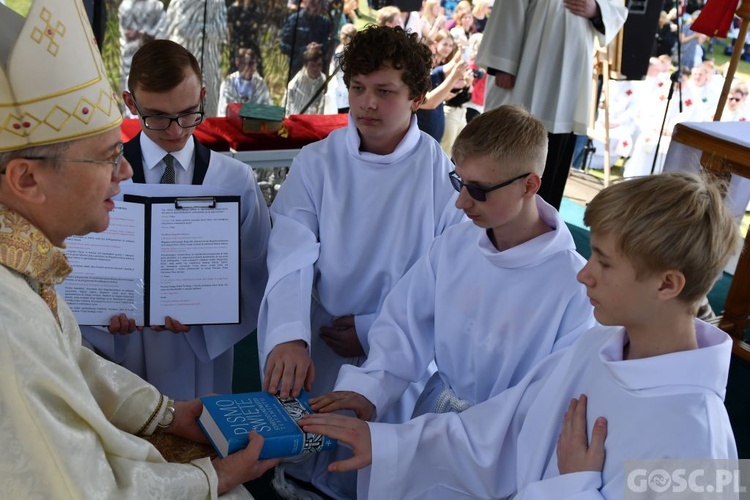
point(715, 18)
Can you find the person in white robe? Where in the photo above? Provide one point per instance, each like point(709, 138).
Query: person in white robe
point(72, 422)
point(355, 213)
point(306, 92)
point(631, 390)
point(186, 362)
point(245, 84)
point(201, 27)
point(540, 55)
point(468, 301)
point(139, 21)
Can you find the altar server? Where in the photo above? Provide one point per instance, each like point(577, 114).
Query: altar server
point(492, 297)
point(70, 420)
point(355, 213)
point(167, 95)
point(649, 384)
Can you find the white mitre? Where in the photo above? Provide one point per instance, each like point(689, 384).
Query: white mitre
point(53, 87)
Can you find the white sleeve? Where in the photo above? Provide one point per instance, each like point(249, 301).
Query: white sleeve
point(293, 250)
point(473, 453)
point(576, 486)
point(401, 340)
point(614, 14)
point(503, 45)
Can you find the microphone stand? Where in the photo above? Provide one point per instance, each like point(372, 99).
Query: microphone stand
point(674, 80)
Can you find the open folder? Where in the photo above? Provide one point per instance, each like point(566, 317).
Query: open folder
point(161, 256)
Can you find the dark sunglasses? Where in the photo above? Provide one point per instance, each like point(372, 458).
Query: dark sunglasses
point(735, 99)
point(477, 192)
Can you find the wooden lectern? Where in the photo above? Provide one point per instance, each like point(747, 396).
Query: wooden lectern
point(726, 150)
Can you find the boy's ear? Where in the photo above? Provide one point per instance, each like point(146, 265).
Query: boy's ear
point(417, 102)
point(127, 98)
point(532, 183)
point(672, 284)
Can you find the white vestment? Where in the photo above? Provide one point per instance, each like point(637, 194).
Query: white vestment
point(234, 88)
point(139, 21)
point(201, 27)
point(300, 92)
point(68, 417)
point(657, 407)
point(550, 52)
point(347, 225)
point(486, 316)
point(188, 365)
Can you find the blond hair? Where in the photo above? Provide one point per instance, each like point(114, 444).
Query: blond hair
point(388, 14)
point(509, 135)
point(670, 221)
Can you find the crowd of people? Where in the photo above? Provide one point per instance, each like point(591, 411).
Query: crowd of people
point(311, 37)
point(420, 285)
point(642, 115)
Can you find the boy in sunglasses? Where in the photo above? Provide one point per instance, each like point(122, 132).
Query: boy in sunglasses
point(491, 298)
point(166, 93)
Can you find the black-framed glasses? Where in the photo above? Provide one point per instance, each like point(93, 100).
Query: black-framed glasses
point(116, 163)
point(189, 119)
point(477, 192)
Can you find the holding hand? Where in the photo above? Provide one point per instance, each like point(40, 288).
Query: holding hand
point(348, 430)
point(289, 369)
point(574, 454)
point(344, 400)
point(171, 325)
point(243, 465)
point(342, 337)
point(583, 8)
point(185, 423)
point(504, 80)
point(122, 325)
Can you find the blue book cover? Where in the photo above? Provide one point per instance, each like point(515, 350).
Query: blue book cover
point(228, 419)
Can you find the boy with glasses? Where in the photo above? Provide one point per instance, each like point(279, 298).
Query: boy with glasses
point(491, 298)
point(649, 384)
point(166, 92)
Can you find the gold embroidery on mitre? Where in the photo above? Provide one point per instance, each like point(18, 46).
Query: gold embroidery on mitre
point(48, 32)
point(54, 87)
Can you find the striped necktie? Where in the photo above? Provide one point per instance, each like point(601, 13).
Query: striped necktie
point(168, 176)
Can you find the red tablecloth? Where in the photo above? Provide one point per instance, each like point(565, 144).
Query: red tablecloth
point(220, 134)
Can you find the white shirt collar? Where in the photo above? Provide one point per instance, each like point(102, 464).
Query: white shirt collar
point(153, 154)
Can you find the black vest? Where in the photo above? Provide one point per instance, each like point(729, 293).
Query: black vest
point(132, 150)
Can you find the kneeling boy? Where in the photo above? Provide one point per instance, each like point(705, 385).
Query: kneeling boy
point(655, 374)
point(492, 297)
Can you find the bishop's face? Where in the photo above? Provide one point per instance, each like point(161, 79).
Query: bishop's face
point(78, 194)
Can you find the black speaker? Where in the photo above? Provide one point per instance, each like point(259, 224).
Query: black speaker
point(639, 36)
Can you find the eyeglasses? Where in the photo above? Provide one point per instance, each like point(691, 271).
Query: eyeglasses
point(163, 122)
point(116, 163)
point(735, 99)
point(477, 192)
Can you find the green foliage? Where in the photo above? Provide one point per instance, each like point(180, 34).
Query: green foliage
point(20, 6)
point(111, 47)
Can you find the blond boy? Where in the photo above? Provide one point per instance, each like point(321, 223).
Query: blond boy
point(492, 297)
point(654, 375)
